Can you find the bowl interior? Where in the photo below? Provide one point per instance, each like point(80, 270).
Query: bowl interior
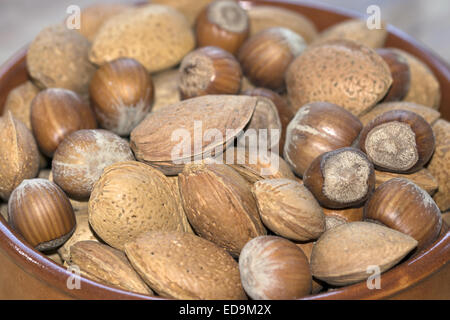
point(409, 273)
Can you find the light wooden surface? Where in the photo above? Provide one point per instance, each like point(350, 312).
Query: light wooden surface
point(428, 21)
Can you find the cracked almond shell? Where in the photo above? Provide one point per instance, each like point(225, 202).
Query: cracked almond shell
point(342, 254)
point(19, 155)
point(156, 36)
point(58, 58)
point(131, 198)
point(152, 141)
point(184, 266)
point(107, 265)
point(220, 206)
point(343, 72)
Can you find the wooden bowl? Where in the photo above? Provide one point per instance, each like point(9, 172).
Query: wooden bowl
point(27, 274)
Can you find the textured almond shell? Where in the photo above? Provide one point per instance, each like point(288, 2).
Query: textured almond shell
point(19, 156)
point(184, 266)
point(19, 102)
point(107, 264)
point(264, 17)
point(343, 254)
point(58, 58)
point(131, 198)
point(424, 87)
point(157, 36)
point(430, 115)
point(190, 8)
point(255, 166)
point(338, 71)
point(83, 232)
point(423, 178)
point(440, 163)
point(355, 30)
point(220, 206)
point(289, 209)
point(152, 142)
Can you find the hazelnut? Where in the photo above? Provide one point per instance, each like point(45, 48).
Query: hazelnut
point(266, 56)
point(56, 113)
point(19, 156)
point(285, 112)
point(402, 205)
point(81, 158)
point(317, 128)
point(401, 76)
point(223, 24)
point(289, 209)
point(274, 268)
point(398, 141)
point(41, 212)
point(122, 94)
point(209, 70)
point(341, 178)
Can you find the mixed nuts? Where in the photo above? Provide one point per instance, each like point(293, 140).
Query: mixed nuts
point(269, 161)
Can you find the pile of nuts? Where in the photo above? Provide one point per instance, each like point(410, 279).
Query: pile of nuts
point(102, 167)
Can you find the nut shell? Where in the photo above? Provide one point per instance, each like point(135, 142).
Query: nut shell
point(343, 254)
point(166, 89)
point(81, 158)
point(156, 36)
point(184, 266)
point(430, 115)
point(121, 93)
point(19, 156)
point(423, 178)
point(338, 71)
point(402, 205)
point(341, 178)
point(190, 8)
point(266, 56)
point(209, 70)
point(226, 115)
point(289, 209)
point(223, 24)
point(58, 58)
point(41, 212)
point(401, 75)
point(424, 88)
point(19, 102)
point(56, 113)
point(264, 17)
point(274, 268)
point(220, 206)
point(347, 214)
point(107, 265)
point(440, 163)
point(317, 128)
point(398, 141)
point(131, 198)
point(354, 30)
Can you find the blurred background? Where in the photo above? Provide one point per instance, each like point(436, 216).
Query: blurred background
point(426, 20)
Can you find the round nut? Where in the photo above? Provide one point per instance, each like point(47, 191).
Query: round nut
point(401, 75)
point(398, 141)
point(57, 58)
point(40, 211)
point(274, 268)
point(81, 158)
point(19, 102)
point(122, 93)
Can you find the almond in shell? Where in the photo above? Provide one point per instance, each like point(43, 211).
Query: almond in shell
point(220, 206)
point(184, 266)
point(343, 254)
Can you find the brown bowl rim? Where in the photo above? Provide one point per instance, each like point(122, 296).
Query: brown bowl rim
point(397, 279)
